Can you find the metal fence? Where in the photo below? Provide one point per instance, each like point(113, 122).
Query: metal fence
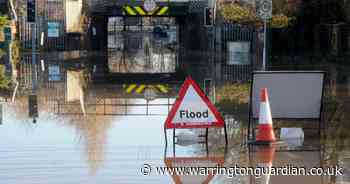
point(236, 72)
point(100, 106)
point(234, 33)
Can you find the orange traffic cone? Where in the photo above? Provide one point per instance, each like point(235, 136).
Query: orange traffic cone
point(265, 156)
point(265, 129)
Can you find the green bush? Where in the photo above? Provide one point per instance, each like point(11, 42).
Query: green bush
point(15, 52)
point(237, 92)
point(4, 81)
point(233, 99)
point(236, 13)
point(4, 21)
point(2, 53)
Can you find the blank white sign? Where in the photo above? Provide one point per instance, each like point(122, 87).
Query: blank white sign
point(292, 94)
point(238, 53)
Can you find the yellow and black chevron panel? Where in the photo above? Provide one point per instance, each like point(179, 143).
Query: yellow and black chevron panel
point(140, 11)
point(139, 88)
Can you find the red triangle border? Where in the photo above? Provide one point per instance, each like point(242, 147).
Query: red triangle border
point(188, 82)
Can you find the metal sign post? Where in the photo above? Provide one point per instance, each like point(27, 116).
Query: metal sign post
point(264, 11)
point(264, 51)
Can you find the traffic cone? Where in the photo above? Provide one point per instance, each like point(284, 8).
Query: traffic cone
point(265, 156)
point(265, 129)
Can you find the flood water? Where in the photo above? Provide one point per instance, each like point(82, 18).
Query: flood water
point(102, 134)
point(88, 150)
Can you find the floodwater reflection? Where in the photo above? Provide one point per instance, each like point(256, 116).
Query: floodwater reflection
point(93, 133)
point(119, 134)
point(75, 149)
point(97, 148)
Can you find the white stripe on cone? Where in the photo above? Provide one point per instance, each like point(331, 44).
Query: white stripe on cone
point(265, 128)
point(265, 116)
point(265, 113)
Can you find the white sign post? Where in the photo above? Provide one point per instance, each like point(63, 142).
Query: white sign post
point(264, 11)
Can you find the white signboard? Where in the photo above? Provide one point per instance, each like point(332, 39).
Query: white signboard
point(54, 73)
point(53, 29)
point(292, 94)
point(238, 53)
point(193, 109)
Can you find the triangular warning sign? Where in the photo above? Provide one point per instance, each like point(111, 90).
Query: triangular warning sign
point(198, 163)
point(193, 109)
